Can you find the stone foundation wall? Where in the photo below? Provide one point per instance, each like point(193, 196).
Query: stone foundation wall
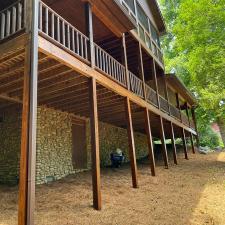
point(111, 138)
point(54, 145)
point(10, 129)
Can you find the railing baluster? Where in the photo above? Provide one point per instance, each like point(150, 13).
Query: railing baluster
point(73, 40)
point(63, 33)
point(82, 46)
point(86, 49)
point(8, 23)
point(20, 15)
point(78, 44)
point(13, 19)
point(53, 26)
point(2, 25)
point(58, 30)
point(68, 35)
point(40, 16)
point(46, 21)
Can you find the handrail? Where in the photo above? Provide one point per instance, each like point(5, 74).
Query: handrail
point(163, 104)
point(61, 31)
point(151, 95)
point(184, 118)
point(175, 112)
point(11, 20)
point(106, 63)
point(136, 85)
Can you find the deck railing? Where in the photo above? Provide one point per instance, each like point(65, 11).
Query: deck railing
point(11, 20)
point(136, 85)
point(184, 118)
point(109, 65)
point(151, 95)
point(163, 104)
point(57, 28)
point(175, 112)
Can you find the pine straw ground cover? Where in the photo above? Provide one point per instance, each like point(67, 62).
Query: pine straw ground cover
point(191, 193)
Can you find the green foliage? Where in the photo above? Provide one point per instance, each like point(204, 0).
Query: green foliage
point(208, 137)
point(195, 49)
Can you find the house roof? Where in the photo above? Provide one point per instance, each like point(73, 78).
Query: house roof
point(176, 83)
point(157, 14)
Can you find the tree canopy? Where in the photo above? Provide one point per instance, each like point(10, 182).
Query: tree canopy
point(195, 49)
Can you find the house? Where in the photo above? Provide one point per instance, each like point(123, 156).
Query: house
point(79, 78)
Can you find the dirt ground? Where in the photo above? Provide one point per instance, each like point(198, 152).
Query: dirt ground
point(191, 193)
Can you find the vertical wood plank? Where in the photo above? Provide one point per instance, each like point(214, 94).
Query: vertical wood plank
point(20, 16)
point(46, 20)
point(196, 127)
point(14, 19)
point(166, 93)
point(164, 148)
point(173, 143)
point(2, 25)
point(53, 25)
point(124, 60)
point(178, 105)
point(155, 81)
point(184, 143)
point(150, 142)
point(141, 69)
point(192, 143)
point(28, 137)
point(96, 182)
point(130, 134)
point(8, 22)
point(89, 29)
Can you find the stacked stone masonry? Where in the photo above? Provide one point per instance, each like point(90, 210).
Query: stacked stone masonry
point(54, 145)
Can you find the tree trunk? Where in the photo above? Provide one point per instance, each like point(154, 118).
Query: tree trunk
point(221, 124)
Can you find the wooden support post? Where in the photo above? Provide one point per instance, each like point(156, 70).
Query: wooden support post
point(150, 142)
point(188, 115)
point(184, 143)
point(155, 81)
point(130, 134)
point(26, 202)
point(89, 28)
point(164, 148)
point(124, 60)
point(173, 144)
point(166, 93)
point(141, 68)
point(96, 180)
point(192, 143)
point(178, 105)
point(196, 127)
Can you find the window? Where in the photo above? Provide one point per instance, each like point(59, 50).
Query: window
point(155, 35)
point(131, 5)
point(142, 17)
point(141, 33)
